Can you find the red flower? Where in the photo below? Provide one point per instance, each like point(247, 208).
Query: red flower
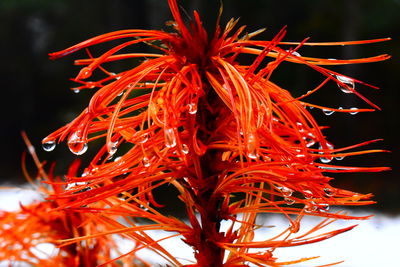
point(33, 234)
point(232, 142)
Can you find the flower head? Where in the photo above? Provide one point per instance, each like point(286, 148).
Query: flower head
point(231, 141)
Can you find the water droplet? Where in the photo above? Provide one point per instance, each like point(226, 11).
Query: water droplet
point(72, 185)
point(354, 112)
point(289, 201)
point(117, 159)
point(143, 139)
point(76, 90)
point(185, 149)
point(328, 112)
point(252, 146)
point(309, 142)
point(294, 227)
point(346, 81)
point(90, 85)
point(310, 207)
point(77, 144)
point(192, 108)
point(146, 162)
point(85, 73)
point(308, 194)
point(330, 192)
point(340, 108)
point(325, 159)
point(121, 93)
point(170, 138)
point(323, 207)
point(294, 53)
point(112, 148)
point(339, 158)
point(310, 107)
point(286, 192)
point(49, 146)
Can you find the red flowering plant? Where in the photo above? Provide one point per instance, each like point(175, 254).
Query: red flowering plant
point(233, 143)
point(32, 234)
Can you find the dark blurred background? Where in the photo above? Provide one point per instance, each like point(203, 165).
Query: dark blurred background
point(36, 96)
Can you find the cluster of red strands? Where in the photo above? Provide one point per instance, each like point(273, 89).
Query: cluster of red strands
point(192, 116)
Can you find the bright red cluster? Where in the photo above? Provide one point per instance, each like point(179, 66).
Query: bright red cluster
point(233, 143)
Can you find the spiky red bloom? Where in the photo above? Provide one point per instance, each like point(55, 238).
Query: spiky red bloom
point(33, 234)
point(231, 141)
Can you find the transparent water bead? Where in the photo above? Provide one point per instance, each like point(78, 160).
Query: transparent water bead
point(252, 146)
point(286, 192)
point(192, 107)
point(308, 194)
point(76, 90)
point(77, 144)
point(330, 192)
point(310, 207)
point(328, 112)
point(72, 185)
point(294, 53)
point(347, 81)
point(289, 201)
point(339, 158)
point(354, 112)
point(185, 149)
point(325, 159)
point(144, 138)
point(309, 142)
point(146, 162)
point(323, 207)
point(112, 148)
point(170, 138)
point(49, 146)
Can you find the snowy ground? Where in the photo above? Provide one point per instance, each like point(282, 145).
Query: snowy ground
point(373, 243)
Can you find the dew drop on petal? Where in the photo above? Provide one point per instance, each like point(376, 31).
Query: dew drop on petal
point(310, 208)
point(354, 112)
point(330, 192)
point(328, 112)
point(76, 90)
point(78, 148)
point(90, 85)
point(192, 107)
point(185, 149)
point(294, 53)
point(339, 158)
point(170, 138)
point(286, 192)
point(112, 148)
point(146, 162)
point(49, 146)
point(85, 73)
point(307, 194)
point(309, 142)
point(325, 159)
point(347, 81)
point(144, 138)
point(77, 144)
point(323, 207)
point(289, 201)
point(252, 146)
